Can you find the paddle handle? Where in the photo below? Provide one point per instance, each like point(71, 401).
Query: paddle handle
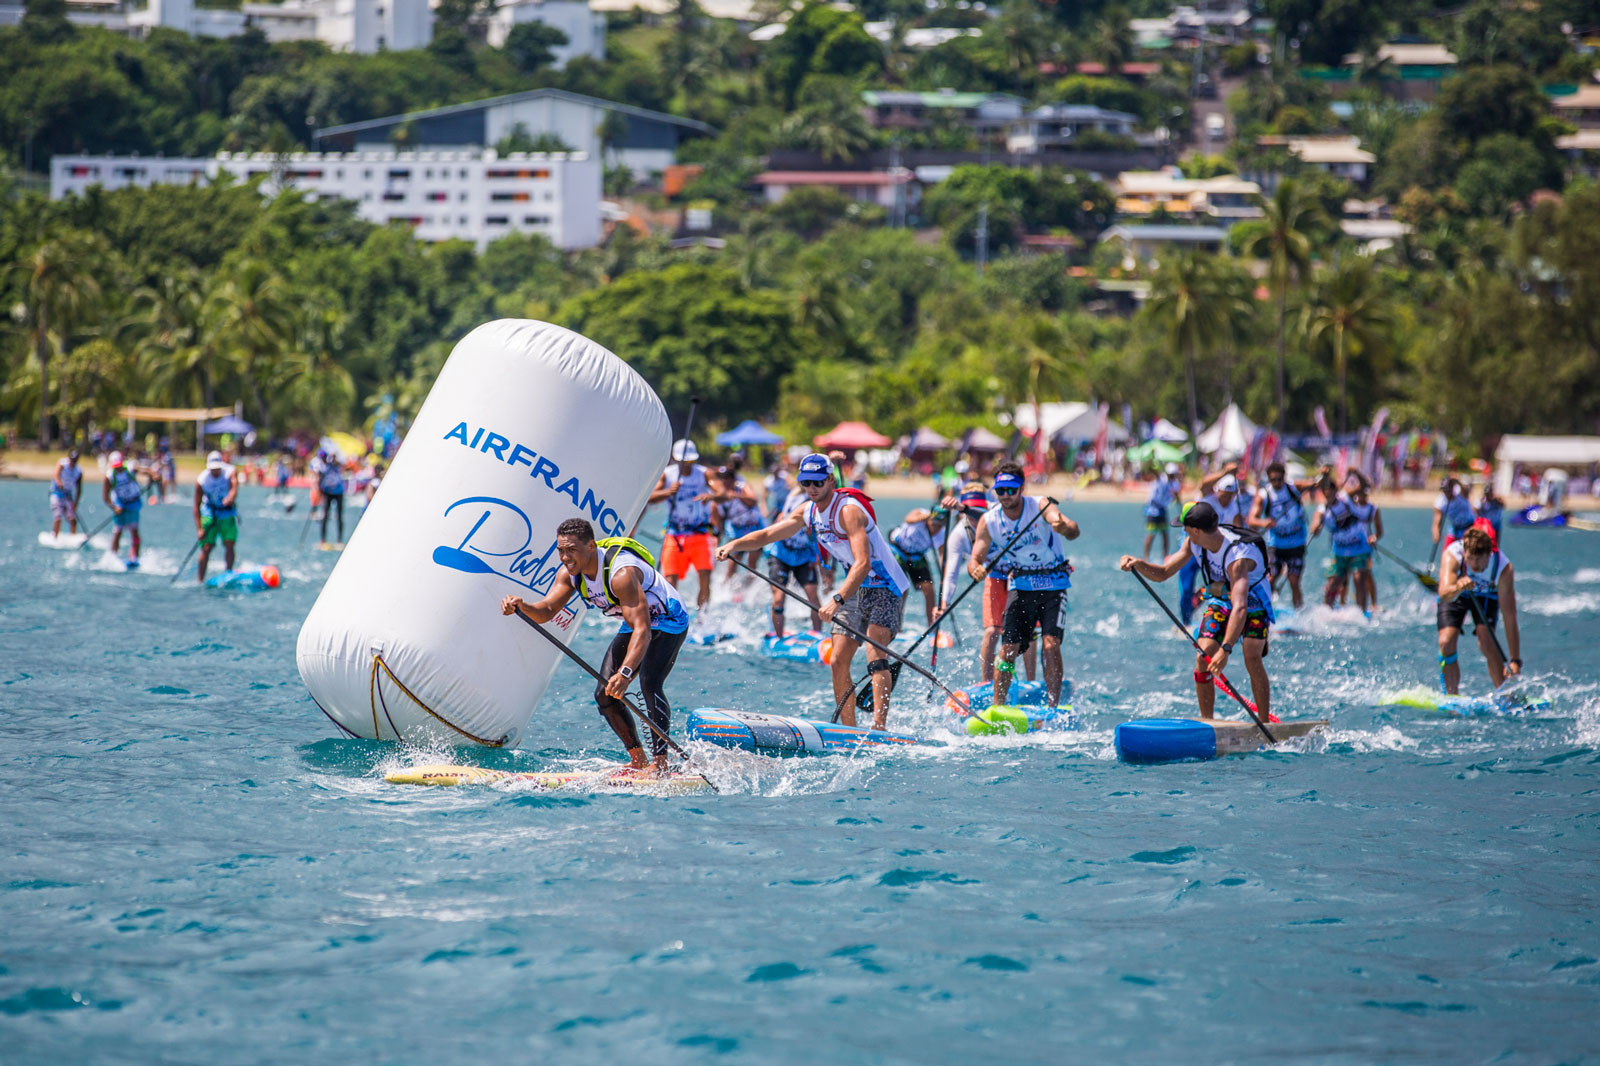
point(1222, 682)
point(626, 702)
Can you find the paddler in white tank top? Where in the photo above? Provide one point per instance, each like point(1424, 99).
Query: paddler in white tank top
point(66, 490)
point(654, 624)
point(1031, 532)
point(870, 600)
point(1238, 602)
point(1476, 582)
point(1220, 490)
point(216, 511)
point(690, 535)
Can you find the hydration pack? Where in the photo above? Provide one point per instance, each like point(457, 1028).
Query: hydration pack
point(610, 546)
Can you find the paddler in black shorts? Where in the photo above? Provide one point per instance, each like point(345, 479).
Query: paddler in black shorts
point(1037, 575)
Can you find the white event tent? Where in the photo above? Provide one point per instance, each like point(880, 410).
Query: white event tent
point(1229, 436)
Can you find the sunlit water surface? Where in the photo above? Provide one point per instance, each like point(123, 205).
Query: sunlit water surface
point(194, 868)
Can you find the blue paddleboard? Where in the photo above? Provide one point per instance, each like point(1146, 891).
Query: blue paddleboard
point(774, 734)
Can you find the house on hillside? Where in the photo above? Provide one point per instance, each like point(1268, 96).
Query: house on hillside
point(1062, 126)
point(1145, 192)
point(648, 143)
point(886, 188)
point(585, 28)
point(1581, 108)
point(1146, 244)
point(986, 114)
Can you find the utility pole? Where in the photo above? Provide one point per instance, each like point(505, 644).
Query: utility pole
point(983, 236)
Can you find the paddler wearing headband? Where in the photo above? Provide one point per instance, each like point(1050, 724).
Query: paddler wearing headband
point(617, 576)
point(1238, 600)
point(1475, 581)
point(870, 599)
point(1037, 575)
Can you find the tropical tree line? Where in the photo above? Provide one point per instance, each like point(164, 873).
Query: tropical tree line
point(313, 319)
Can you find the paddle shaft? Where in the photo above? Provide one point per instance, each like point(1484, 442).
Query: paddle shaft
point(857, 634)
point(185, 564)
point(944, 555)
point(1222, 682)
point(1478, 622)
point(97, 529)
point(1428, 580)
point(626, 702)
point(865, 694)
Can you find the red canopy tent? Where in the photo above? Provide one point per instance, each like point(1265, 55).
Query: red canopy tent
point(850, 435)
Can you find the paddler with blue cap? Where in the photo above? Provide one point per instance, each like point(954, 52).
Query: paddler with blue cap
point(1037, 575)
point(1238, 599)
point(870, 599)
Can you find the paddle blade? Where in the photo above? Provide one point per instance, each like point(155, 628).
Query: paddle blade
point(1429, 582)
point(864, 693)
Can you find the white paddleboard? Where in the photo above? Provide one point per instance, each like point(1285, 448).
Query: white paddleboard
point(63, 542)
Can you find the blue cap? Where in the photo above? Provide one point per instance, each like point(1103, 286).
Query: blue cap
point(1007, 481)
point(815, 467)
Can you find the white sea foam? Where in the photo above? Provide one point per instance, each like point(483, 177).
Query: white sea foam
point(1588, 575)
point(1572, 603)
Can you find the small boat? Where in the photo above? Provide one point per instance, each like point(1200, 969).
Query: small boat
point(1537, 517)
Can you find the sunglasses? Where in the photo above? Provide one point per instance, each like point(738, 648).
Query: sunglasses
point(1006, 492)
point(811, 484)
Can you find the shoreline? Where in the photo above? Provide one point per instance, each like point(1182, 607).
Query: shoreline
point(27, 466)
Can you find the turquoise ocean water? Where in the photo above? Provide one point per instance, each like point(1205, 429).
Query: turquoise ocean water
point(194, 868)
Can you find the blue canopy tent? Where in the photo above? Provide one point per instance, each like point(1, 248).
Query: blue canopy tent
point(228, 424)
point(746, 433)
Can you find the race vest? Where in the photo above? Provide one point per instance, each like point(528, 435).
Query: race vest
point(1232, 514)
point(801, 548)
point(1037, 561)
point(667, 613)
point(685, 513)
point(1288, 516)
point(883, 570)
point(1162, 494)
point(911, 540)
point(740, 513)
point(1347, 527)
point(1493, 512)
point(1485, 582)
point(214, 490)
point(70, 475)
point(330, 480)
point(1214, 570)
point(1458, 513)
point(125, 487)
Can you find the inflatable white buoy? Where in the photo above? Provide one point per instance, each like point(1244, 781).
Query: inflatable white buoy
point(527, 425)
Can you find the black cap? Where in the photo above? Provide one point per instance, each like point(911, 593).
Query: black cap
point(1201, 516)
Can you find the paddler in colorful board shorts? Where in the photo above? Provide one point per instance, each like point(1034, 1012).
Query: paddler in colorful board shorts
point(1238, 600)
point(216, 513)
point(66, 491)
point(1037, 575)
point(870, 599)
point(617, 576)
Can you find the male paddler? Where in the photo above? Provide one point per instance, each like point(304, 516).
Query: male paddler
point(216, 511)
point(1475, 581)
point(871, 598)
point(1279, 510)
point(912, 542)
point(974, 504)
point(1220, 490)
point(617, 577)
point(1157, 515)
point(66, 492)
point(122, 494)
point(793, 558)
point(1238, 602)
point(329, 473)
point(1452, 513)
point(1037, 575)
point(690, 537)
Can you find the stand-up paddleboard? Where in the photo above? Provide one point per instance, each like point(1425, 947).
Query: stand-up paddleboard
point(708, 637)
point(248, 579)
point(808, 647)
point(1022, 694)
point(120, 562)
point(62, 541)
point(1181, 739)
point(906, 638)
point(1506, 704)
point(774, 734)
point(624, 779)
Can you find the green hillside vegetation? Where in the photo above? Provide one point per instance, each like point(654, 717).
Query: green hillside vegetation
point(1482, 321)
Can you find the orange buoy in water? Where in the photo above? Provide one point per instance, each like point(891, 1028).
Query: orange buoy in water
point(270, 577)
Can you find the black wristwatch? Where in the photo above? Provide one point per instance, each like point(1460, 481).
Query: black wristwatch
point(838, 599)
point(1517, 661)
point(626, 672)
point(1228, 648)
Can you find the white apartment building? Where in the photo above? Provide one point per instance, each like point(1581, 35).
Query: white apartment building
point(585, 28)
point(364, 26)
point(474, 196)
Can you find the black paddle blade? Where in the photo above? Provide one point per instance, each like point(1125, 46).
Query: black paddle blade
point(864, 693)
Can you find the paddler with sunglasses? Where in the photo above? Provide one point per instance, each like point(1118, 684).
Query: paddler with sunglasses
point(870, 599)
point(973, 502)
point(1037, 575)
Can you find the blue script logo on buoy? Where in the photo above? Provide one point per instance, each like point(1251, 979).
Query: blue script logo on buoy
point(499, 541)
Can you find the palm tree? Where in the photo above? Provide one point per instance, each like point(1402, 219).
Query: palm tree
point(1113, 40)
point(1191, 301)
point(1283, 237)
point(249, 315)
point(1347, 306)
point(58, 290)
